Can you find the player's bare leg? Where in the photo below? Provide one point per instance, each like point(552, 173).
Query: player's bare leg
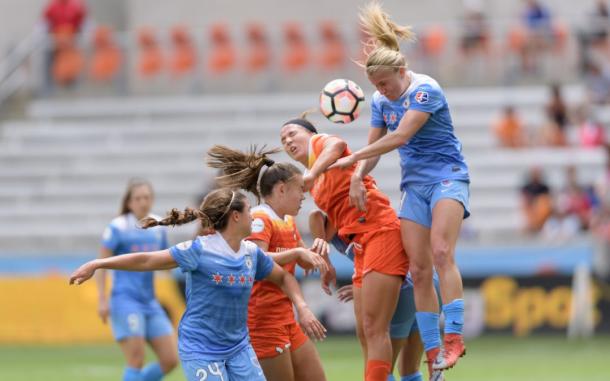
point(278, 368)
point(447, 217)
point(306, 363)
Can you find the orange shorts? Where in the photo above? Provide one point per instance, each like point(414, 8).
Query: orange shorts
point(273, 341)
point(381, 251)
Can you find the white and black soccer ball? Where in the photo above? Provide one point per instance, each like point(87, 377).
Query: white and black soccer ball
point(340, 101)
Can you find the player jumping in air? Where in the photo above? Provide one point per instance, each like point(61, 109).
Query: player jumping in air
point(434, 179)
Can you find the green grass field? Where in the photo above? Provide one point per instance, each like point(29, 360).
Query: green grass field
point(492, 358)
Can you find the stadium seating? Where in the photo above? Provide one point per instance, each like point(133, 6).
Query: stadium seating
point(66, 166)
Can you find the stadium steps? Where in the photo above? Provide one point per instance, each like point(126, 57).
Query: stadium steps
point(63, 170)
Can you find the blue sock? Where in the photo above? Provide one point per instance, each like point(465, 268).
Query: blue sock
point(131, 374)
point(454, 316)
point(152, 372)
point(430, 333)
point(391, 378)
point(412, 377)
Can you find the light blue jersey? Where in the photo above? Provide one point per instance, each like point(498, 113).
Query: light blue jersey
point(433, 154)
point(133, 292)
point(218, 285)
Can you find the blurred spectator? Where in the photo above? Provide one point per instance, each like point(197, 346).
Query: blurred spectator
point(598, 22)
point(591, 132)
point(62, 13)
point(536, 201)
point(597, 83)
point(539, 34)
point(537, 18)
point(562, 225)
point(575, 199)
point(509, 129)
point(62, 18)
point(557, 114)
point(475, 35)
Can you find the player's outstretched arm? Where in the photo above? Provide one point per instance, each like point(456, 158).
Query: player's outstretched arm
point(310, 324)
point(333, 149)
point(410, 123)
point(156, 260)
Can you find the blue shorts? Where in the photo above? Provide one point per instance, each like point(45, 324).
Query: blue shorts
point(147, 325)
point(243, 366)
point(403, 322)
point(418, 200)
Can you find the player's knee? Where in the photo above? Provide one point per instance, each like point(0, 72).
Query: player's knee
point(168, 363)
point(420, 274)
point(372, 328)
point(442, 255)
point(136, 360)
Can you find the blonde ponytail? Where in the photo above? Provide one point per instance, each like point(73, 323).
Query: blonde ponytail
point(386, 36)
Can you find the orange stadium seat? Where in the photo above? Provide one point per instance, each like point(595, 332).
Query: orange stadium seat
point(258, 55)
point(150, 58)
point(106, 58)
point(222, 54)
point(296, 55)
point(516, 39)
point(68, 63)
point(333, 53)
point(183, 57)
point(561, 33)
point(434, 40)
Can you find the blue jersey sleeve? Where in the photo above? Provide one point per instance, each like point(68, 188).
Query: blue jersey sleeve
point(264, 265)
point(111, 238)
point(376, 114)
point(427, 99)
point(186, 254)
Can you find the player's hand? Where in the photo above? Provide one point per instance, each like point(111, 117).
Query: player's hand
point(344, 162)
point(83, 273)
point(357, 193)
point(330, 277)
point(311, 325)
point(103, 310)
point(320, 247)
point(308, 181)
point(313, 260)
point(346, 293)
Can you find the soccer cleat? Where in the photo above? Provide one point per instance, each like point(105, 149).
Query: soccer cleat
point(431, 356)
point(437, 375)
point(453, 349)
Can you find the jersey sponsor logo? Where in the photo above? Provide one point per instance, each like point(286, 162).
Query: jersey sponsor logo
point(421, 97)
point(184, 245)
point(258, 225)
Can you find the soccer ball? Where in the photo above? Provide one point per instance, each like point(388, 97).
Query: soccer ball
point(340, 101)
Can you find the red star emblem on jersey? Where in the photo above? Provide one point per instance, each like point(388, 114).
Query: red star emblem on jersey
point(242, 279)
point(393, 118)
point(231, 280)
point(217, 278)
point(250, 279)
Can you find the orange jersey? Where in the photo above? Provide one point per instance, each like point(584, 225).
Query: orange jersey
point(269, 306)
point(331, 194)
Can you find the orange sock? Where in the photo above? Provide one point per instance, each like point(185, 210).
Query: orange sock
point(377, 370)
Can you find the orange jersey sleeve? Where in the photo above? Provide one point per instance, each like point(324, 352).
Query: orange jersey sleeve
point(331, 194)
point(269, 306)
